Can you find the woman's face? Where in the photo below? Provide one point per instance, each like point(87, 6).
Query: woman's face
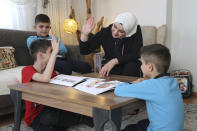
point(118, 31)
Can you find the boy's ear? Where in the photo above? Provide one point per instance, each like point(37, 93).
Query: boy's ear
point(150, 66)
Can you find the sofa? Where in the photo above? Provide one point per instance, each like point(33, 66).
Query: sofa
point(17, 40)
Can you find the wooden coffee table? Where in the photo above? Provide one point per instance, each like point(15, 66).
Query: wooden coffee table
point(104, 107)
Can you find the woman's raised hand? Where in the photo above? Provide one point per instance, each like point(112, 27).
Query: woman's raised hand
point(88, 26)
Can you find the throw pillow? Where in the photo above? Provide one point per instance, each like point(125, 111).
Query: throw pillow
point(7, 59)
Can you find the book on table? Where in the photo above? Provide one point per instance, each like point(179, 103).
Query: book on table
point(90, 85)
point(67, 80)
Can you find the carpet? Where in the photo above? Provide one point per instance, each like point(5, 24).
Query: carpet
point(190, 121)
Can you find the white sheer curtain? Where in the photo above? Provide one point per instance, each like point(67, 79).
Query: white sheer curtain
point(58, 11)
point(17, 14)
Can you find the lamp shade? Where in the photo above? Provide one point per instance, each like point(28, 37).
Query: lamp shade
point(70, 26)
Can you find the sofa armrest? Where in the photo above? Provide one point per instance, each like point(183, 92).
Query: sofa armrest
point(98, 57)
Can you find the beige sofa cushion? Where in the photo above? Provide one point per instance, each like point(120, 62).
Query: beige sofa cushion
point(9, 77)
point(149, 34)
point(162, 34)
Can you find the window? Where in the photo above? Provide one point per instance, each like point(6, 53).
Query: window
point(5, 14)
point(17, 14)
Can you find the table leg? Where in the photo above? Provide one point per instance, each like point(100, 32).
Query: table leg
point(101, 116)
point(16, 98)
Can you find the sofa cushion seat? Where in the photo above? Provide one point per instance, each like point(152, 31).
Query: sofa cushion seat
point(9, 77)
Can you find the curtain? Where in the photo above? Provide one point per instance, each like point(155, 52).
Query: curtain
point(58, 11)
point(17, 14)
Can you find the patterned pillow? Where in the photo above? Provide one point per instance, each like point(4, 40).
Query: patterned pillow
point(7, 59)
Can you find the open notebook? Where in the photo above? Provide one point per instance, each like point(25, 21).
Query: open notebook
point(67, 80)
point(90, 85)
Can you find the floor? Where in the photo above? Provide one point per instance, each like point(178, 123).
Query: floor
point(5, 120)
point(192, 100)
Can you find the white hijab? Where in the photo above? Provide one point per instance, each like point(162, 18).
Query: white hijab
point(129, 23)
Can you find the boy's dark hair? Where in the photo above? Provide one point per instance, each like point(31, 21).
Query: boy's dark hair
point(40, 45)
point(157, 54)
point(42, 18)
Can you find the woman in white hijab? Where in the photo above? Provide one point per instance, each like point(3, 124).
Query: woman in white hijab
point(121, 42)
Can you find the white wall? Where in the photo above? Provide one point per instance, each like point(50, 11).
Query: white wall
point(183, 39)
point(148, 12)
